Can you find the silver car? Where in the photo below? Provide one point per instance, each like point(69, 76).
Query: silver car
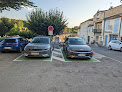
point(76, 47)
point(38, 47)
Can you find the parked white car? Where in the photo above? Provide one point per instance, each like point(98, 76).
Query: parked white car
point(115, 45)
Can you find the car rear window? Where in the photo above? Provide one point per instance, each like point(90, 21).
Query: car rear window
point(10, 40)
point(40, 40)
point(76, 41)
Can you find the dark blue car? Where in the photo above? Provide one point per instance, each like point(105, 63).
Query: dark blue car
point(13, 44)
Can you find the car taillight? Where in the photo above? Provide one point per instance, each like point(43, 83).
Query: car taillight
point(16, 43)
point(1, 43)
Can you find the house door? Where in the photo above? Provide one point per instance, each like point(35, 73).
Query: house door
point(106, 39)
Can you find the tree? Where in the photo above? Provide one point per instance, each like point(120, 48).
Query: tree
point(13, 31)
point(40, 20)
point(14, 4)
point(5, 26)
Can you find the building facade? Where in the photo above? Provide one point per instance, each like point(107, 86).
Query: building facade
point(106, 26)
point(84, 30)
point(98, 21)
point(112, 29)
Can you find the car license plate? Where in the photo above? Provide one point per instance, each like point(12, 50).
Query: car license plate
point(7, 47)
point(81, 54)
point(34, 53)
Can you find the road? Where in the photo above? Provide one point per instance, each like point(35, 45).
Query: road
point(59, 76)
point(116, 55)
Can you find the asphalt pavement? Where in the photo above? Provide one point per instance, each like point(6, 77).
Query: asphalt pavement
point(59, 76)
point(114, 54)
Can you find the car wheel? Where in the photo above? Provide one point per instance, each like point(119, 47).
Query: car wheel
point(109, 47)
point(20, 50)
point(121, 49)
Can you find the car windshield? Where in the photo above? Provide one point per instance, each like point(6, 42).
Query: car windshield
point(40, 40)
point(76, 41)
point(10, 40)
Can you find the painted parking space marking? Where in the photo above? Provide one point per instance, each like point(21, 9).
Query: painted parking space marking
point(99, 56)
point(23, 58)
point(57, 55)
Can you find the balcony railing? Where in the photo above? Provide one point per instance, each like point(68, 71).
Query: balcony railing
point(97, 30)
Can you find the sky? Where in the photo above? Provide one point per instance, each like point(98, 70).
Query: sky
point(76, 11)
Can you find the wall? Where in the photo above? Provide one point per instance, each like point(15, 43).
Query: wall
point(83, 31)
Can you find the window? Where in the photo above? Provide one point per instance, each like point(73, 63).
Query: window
point(40, 40)
point(98, 15)
point(76, 41)
point(113, 41)
point(10, 40)
point(117, 42)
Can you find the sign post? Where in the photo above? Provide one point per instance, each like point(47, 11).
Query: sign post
point(50, 30)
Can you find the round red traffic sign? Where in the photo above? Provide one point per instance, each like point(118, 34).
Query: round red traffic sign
point(50, 28)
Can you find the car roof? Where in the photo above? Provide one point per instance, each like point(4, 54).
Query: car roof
point(12, 37)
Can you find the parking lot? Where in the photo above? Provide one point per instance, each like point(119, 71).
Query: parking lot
point(60, 75)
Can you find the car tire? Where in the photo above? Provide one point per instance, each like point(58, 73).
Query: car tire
point(109, 47)
point(20, 50)
point(121, 49)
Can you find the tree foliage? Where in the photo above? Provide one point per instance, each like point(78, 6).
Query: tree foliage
point(5, 25)
point(71, 30)
point(40, 20)
point(17, 31)
point(15, 4)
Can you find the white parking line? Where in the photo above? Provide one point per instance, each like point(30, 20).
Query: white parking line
point(18, 57)
point(57, 58)
point(109, 57)
point(57, 49)
point(60, 54)
point(30, 60)
point(57, 53)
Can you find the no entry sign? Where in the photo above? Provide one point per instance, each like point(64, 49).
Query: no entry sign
point(50, 30)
